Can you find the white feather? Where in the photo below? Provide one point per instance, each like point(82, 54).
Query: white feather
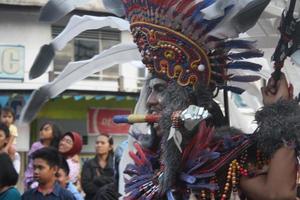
point(79, 24)
point(76, 71)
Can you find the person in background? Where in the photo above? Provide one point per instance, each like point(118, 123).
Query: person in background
point(4, 138)
point(45, 164)
point(8, 118)
point(117, 158)
point(64, 179)
point(8, 179)
point(97, 177)
point(70, 146)
point(49, 136)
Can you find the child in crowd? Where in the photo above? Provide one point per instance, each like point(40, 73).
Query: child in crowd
point(45, 164)
point(49, 136)
point(4, 138)
point(8, 179)
point(70, 146)
point(7, 117)
point(64, 179)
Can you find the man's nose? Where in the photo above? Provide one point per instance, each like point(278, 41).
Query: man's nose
point(152, 99)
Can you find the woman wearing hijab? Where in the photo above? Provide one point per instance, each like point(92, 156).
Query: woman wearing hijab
point(70, 146)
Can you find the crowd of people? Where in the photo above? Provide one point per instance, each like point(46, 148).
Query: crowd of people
point(54, 169)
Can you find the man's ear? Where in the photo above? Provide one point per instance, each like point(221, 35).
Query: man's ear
point(6, 141)
point(55, 169)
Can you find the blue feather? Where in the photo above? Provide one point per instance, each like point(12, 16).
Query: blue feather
point(233, 89)
point(250, 78)
point(187, 178)
point(244, 65)
point(135, 185)
point(170, 195)
point(245, 55)
point(206, 175)
point(211, 186)
point(237, 44)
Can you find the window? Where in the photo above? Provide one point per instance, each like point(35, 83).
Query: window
point(85, 46)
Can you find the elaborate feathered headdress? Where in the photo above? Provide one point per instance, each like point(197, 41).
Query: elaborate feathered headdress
point(189, 40)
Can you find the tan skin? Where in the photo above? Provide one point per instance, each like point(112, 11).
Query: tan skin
point(102, 148)
point(46, 135)
point(7, 118)
point(65, 144)
point(3, 141)
point(280, 180)
point(44, 174)
point(62, 178)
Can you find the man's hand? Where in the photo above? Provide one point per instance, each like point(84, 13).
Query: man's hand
point(275, 91)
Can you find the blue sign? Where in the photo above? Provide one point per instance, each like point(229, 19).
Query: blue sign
point(12, 62)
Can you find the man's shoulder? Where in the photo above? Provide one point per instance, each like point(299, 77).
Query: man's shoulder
point(66, 194)
point(28, 194)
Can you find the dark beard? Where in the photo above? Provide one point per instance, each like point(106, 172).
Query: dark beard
point(175, 98)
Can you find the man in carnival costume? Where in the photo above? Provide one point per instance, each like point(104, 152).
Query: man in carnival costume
point(188, 48)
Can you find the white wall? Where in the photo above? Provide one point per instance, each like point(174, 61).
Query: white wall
point(23, 28)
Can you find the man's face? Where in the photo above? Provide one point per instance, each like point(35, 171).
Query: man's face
point(155, 99)
point(43, 173)
point(62, 178)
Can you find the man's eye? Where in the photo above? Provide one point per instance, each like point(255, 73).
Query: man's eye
point(160, 88)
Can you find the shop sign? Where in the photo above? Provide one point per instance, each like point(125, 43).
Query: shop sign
point(100, 121)
point(12, 62)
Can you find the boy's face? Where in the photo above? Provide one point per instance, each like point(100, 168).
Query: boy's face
point(62, 178)
point(43, 173)
point(7, 118)
point(3, 139)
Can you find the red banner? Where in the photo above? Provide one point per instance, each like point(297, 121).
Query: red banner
point(99, 120)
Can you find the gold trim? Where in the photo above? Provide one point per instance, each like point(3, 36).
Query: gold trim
point(141, 24)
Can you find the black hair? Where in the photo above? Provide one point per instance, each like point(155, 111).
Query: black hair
point(8, 174)
point(57, 134)
point(64, 165)
point(5, 129)
point(49, 154)
point(9, 110)
point(109, 137)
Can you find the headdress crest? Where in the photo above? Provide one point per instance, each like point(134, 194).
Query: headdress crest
point(182, 40)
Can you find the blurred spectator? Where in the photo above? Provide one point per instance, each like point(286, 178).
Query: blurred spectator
point(70, 146)
point(8, 179)
point(97, 177)
point(45, 164)
point(49, 136)
point(4, 138)
point(118, 154)
point(64, 179)
point(7, 117)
